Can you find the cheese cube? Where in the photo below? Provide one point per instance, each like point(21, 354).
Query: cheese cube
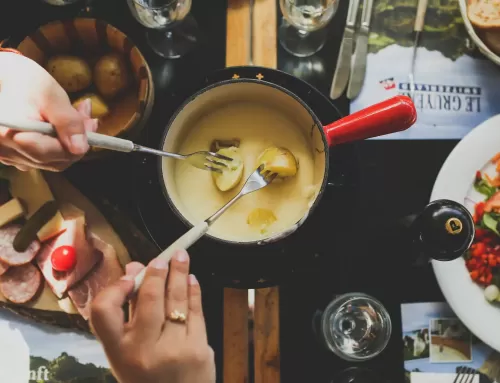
point(10, 211)
point(31, 188)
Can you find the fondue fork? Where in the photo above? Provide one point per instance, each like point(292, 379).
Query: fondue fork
point(257, 180)
point(202, 160)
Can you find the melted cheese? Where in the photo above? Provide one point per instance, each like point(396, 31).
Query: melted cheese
point(258, 127)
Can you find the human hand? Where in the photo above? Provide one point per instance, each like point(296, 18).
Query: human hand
point(28, 91)
point(150, 347)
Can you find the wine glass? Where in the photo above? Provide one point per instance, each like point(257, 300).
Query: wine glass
point(172, 32)
point(302, 31)
point(355, 326)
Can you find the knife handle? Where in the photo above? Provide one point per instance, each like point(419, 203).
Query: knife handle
point(352, 13)
point(366, 14)
point(420, 17)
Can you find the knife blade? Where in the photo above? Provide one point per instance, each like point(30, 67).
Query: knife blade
point(343, 68)
point(360, 53)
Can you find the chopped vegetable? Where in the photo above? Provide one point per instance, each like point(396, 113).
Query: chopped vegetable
point(483, 187)
point(490, 222)
point(491, 293)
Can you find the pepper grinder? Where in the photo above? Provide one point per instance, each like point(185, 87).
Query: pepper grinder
point(443, 231)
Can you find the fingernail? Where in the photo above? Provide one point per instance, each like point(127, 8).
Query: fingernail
point(87, 106)
point(127, 278)
point(159, 263)
point(192, 280)
point(79, 143)
point(181, 256)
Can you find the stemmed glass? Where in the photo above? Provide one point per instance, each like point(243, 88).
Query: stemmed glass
point(172, 32)
point(355, 326)
point(302, 31)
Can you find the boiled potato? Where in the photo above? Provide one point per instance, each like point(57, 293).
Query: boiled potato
point(71, 72)
point(278, 160)
point(231, 175)
point(111, 75)
point(99, 107)
point(261, 219)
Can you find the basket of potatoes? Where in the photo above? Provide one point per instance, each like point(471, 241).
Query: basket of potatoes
point(92, 59)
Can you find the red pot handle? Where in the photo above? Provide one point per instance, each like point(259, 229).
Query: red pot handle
point(393, 115)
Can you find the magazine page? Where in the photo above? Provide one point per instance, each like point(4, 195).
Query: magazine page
point(457, 88)
point(37, 353)
point(437, 346)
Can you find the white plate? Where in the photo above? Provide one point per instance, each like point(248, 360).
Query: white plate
point(455, 182)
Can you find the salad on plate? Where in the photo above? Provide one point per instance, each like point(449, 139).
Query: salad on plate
point(483, 258)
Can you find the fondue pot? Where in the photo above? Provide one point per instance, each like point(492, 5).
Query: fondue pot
point(230, 86)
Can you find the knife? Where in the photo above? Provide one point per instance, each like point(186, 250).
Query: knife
point(343, 68)
point(360, 53)
point(417, 29)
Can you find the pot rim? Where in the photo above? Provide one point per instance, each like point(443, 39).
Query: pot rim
point(317, 122)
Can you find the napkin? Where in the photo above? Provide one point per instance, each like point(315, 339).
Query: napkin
point(433, 377)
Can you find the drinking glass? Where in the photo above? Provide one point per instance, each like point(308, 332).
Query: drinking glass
point(302, 31)
point(172, 32)
point(355, 326)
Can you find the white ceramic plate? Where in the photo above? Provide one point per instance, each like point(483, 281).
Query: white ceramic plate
point(455, 182)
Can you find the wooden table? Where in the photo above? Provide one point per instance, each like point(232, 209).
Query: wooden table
point(251, 39)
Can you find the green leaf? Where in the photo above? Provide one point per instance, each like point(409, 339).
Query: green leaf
point(490, 223)
point(483, 187)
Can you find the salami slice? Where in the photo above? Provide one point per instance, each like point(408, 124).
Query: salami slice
point(21, 283)
point(3, 267)
point(7, 253)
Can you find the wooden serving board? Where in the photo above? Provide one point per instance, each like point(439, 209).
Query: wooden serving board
point(47, 308)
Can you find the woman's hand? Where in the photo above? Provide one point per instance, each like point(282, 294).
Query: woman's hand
point(150, 347)
point(27, 91)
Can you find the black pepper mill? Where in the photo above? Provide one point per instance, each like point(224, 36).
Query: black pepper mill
point(443, 231)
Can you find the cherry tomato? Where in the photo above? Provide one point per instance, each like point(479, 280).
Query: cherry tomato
point(64, 258)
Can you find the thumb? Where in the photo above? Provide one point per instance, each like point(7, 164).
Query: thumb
point(106, 314)
point(68, 122)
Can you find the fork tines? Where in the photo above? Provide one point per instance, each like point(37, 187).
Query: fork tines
point(215, 166)
point(465, 375)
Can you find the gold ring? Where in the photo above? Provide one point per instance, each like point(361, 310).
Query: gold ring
point(177, 316)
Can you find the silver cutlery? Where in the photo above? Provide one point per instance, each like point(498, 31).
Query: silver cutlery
point(417, 29)
point(257, 180)
point(343, 68)
point(358, 71)
point(202, 160)
point(465, 375)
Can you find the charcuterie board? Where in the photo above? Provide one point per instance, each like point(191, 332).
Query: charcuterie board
point(46, 306)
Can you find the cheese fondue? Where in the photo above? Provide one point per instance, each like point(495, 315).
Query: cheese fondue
point(258, 127)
